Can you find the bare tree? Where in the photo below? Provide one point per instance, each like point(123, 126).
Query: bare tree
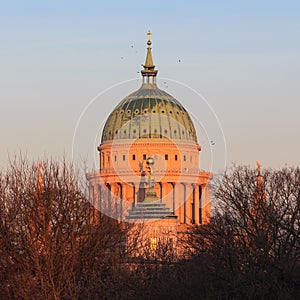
point(48, 247)
point(252, 245)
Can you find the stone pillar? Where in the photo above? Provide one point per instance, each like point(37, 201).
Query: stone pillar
point(133, 194)
point(108, 206)
point(189, 196)
point(172, 196)
point(184, 203)
point(192, 197)
point(200, 213)
point(120, 200)
point(196, 202)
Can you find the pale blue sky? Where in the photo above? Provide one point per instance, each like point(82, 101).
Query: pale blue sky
point(242, 56)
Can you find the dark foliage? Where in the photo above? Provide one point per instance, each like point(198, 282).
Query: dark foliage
point(50, 250)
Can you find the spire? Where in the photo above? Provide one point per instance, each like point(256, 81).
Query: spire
point(149, 60)
point(259, 177)
point(39, 179)
point(149, 66)
point(259, 195)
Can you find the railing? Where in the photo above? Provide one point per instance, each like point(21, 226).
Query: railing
point(156, 172)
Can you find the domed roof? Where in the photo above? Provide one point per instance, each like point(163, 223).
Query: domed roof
point(149, 112)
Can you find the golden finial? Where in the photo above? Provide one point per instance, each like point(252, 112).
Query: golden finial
point(149, 41)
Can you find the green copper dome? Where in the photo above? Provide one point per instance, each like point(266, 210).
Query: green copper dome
point(149, 112)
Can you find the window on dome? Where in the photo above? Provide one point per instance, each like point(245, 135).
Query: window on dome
point(133, 156)
point(115, 157)
point(176, 157)
point(134, 130)
point(145, 131)
point(144, 156)
point(184, 157)
point(124, 157)
point(166, 131)
point(166, 156)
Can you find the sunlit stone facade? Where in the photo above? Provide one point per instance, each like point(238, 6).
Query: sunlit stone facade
point(150, 124)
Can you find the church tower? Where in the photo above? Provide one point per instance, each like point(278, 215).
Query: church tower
point(150, 159)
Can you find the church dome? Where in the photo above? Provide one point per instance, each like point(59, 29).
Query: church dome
point(160, 115)
point(149, 112)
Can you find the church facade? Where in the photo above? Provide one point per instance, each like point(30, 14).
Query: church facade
point(149, 157)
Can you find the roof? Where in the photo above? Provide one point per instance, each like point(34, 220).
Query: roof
point(146, 113)
point(149, 112)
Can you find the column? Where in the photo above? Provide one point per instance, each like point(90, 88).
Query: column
point(120, 195)
point(196, 203)
point(200, 203)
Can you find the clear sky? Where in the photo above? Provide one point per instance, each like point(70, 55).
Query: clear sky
point(242, 56)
